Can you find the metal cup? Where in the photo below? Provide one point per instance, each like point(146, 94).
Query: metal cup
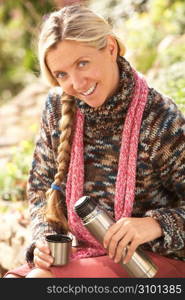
point(60, 246)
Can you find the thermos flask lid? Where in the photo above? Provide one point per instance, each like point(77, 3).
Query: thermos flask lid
point(84, 206)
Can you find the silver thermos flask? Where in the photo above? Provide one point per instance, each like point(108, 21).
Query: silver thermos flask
point(97, 221)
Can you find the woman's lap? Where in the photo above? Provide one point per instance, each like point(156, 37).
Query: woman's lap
point(104, 267)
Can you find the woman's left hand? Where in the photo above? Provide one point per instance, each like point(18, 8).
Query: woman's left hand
point(129, 233)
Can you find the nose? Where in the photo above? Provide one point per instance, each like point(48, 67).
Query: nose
point(78, 82)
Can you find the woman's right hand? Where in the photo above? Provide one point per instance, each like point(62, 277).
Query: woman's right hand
point(42, 257)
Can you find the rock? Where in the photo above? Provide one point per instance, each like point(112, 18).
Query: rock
point(19, 114)
point(15, 237)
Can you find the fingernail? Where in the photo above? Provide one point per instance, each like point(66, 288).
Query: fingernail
point(110, 255)
point(116, 260)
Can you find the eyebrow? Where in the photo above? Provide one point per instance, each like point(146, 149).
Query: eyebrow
point(78, 59)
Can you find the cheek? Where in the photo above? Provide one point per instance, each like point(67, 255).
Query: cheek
point(64, 85)
point(94, 74)
point(105, 74)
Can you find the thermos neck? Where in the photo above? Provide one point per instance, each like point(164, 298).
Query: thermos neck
point(85, 206)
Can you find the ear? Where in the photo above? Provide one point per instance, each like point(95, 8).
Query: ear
point(112, 47)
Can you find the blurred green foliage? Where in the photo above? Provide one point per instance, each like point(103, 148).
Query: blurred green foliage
point(19, 25)
point(13, 177)
point(153, 32)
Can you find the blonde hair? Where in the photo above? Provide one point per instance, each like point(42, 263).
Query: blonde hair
point(77, 23)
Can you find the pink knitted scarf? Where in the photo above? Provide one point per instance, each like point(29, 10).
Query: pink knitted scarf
point(126, 176)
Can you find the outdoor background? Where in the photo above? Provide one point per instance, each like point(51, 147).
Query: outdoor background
point(154, 34)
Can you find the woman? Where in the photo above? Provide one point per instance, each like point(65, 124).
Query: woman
point(106, 134)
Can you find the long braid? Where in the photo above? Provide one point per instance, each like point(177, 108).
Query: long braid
point(55, 211)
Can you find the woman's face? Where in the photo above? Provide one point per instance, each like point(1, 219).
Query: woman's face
point(85, 72)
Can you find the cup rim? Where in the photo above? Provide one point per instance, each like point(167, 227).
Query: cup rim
point(58, 238)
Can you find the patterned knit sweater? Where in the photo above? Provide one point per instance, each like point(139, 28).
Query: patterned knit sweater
point(160, 175)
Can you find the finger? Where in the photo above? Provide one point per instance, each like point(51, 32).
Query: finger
point(39, 263)
point(43, 246)
point(121, 250)
point(130, 251)
point(114, 242)
point(110, 232)
point(43, 256)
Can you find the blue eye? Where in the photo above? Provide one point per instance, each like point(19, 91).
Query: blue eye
point(82, 63)
point(61, 75)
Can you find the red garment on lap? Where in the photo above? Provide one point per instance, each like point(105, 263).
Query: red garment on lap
point(104, 267)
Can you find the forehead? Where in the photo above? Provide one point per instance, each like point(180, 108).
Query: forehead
point(67, 52)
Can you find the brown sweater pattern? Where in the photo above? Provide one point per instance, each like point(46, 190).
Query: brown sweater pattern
point(160, 174)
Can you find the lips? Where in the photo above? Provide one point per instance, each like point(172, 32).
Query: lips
point(90, 90)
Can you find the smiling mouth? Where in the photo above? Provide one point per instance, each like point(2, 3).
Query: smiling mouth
point(90, 91)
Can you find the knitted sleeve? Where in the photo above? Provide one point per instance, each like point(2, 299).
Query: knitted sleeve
point(42, 172)
point(167, 155)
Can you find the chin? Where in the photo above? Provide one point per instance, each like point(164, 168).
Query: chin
point(92, 103)
point(95, 104)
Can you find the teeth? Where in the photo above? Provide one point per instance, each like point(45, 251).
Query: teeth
point(89, 91)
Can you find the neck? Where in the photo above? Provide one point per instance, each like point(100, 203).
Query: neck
point(116, 77)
